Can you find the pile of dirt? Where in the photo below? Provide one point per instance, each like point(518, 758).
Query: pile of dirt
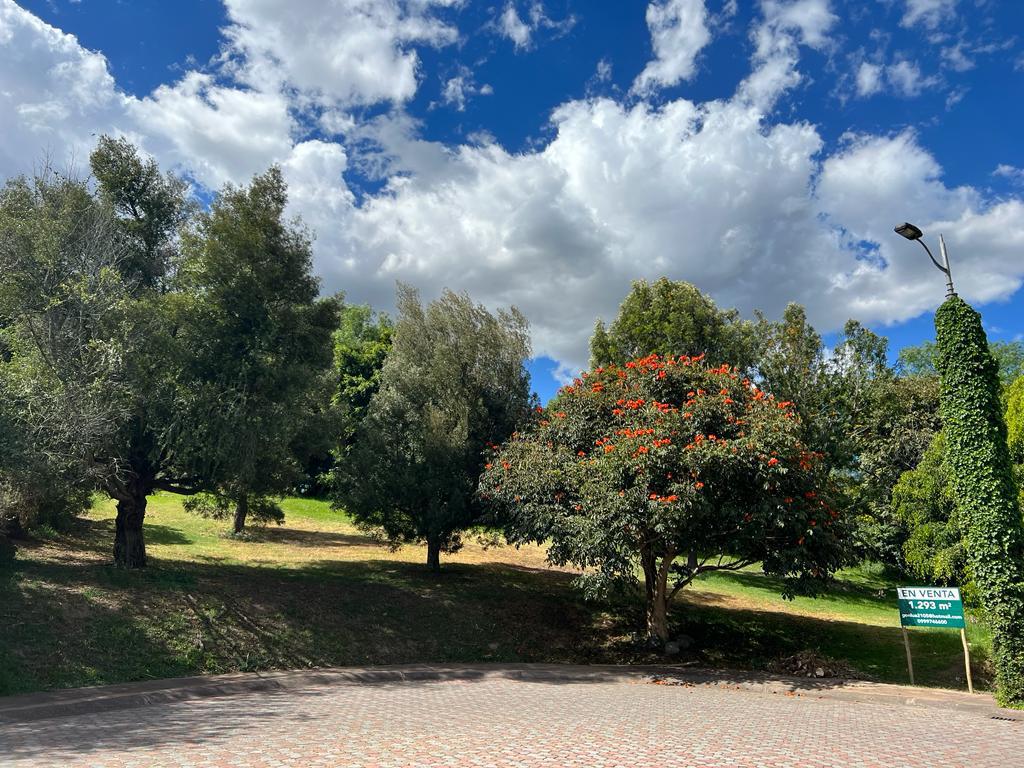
point(813, 664)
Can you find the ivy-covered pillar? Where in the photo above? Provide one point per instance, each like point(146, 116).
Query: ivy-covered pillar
point(983, 485)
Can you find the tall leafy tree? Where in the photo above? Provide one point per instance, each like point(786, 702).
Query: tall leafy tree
point(259, 340)
point(1015, 420)
point(668, 468)
point(150, 207)
point(832, 388)
point(671, 317)
point(453, 383)
point(70, 328)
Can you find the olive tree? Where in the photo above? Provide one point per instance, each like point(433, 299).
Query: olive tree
point(453, 383)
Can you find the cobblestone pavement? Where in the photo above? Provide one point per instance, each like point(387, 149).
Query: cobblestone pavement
point(515, 724)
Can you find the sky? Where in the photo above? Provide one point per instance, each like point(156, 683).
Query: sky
point(545, 153)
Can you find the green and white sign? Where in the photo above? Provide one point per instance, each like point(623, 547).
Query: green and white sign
point(931, 607)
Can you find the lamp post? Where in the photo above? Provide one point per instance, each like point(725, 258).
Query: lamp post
point(911, 232)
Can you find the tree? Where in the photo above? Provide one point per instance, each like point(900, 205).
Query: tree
point(832, 389)
point(922, 501)
point(1015, 420)
point(669, 468)
point(361, 346)
point(983, 485)
point(901, 422)
point(150, 206)
point(922, 359)
point(68, 327)
point(672, 318)
point(258, 339)
point(453, 383)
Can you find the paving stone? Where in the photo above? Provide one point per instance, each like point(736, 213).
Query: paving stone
point(515, 724)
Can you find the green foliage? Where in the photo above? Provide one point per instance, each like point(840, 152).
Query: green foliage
point(1015, 420)
point(983, 485)
point(257, 340)
point(672, 318)
point(61, 305)
point(922, 359)
point(361, 345)
point(833, 391)
point(453, 383)
point(149, 206)
point(632, 468)
point(900, 423)
point(923, 502)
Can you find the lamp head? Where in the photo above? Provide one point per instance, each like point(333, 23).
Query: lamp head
point(909, 231)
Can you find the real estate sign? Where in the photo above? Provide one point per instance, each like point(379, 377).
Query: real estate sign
point(931, 607)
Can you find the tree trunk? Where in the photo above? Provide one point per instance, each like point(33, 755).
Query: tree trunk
point(656, 613)
point(129, 544)
point(241, 512)
point(434, 554)
point(657, 619)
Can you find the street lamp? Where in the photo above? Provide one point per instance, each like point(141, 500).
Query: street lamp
point(911, 232)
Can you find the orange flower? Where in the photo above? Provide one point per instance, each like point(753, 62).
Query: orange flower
point(772, 462)
point(698, 485)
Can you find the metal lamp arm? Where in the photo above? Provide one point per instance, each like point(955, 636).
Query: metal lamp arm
point(934, 261)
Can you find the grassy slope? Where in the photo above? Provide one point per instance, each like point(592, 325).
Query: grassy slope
point(318, 592)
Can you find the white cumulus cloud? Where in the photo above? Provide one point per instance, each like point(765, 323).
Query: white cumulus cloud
point(679, 31)
point(755, 208)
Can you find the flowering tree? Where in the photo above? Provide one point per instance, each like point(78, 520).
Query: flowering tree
point(667, 468)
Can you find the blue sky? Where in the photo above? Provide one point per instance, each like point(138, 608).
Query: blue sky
point(544, 153)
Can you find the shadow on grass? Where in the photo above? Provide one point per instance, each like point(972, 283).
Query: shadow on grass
point(303, 538)
point(74, 623)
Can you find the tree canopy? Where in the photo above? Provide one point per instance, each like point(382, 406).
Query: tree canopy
point(257, 339)
point(670, 468)
point(671, 317)
point(453, 383)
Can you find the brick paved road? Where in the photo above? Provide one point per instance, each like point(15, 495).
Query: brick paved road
point(512, 723)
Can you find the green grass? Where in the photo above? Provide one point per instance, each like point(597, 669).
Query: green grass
point(319, 592)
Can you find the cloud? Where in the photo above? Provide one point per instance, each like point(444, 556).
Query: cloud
point(755, 208)
point(902, 77)
point(511, 25)
point(54, 94)
point(1011, 172)
point(219, 133)
point(514, 28)
point(906, 79)
point(335, 52)
point(869, 78)
point(459, 89)
point(928, 13)
point(679, 31)
point(784, 27)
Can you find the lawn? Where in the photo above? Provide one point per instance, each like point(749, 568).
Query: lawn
point(320, 592)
